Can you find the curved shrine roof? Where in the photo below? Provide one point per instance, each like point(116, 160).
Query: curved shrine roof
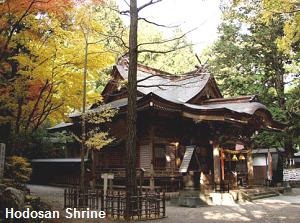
point(176, 89)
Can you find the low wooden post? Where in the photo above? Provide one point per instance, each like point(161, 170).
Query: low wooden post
point(65, 198)
point(157, 201)
point(106, 177)
point(146, 204)
point(102, 200)
point(75, 194)
point(164, 204)
point(118, 205)
point(112, 203)
point(97, 199)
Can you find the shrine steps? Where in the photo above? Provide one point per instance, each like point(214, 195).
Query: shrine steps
point(258, 193)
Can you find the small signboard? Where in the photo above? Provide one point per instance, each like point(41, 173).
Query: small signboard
point(186, 159)
point(107, 177)
point(2, 159)
point(291, 174)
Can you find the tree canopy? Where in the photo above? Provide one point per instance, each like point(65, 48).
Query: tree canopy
point(42, 51)
point(246, 59)
point(47, 81)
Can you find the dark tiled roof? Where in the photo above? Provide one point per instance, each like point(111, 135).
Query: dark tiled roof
point(176, 89)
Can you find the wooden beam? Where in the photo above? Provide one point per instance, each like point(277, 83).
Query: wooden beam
point(203, 117)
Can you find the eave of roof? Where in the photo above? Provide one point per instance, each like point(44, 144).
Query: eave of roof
point(238, 99)
point(239, 112)
point(243, 107)
point(117, 104)
point(61, 125)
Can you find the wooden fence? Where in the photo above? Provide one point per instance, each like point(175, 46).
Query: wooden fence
point(73, 198)
point(146, 205)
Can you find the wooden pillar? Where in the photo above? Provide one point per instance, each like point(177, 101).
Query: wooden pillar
point(216, 155)
point(152, 181)
point(250, 168)
point(152, 184)
point(222, 164)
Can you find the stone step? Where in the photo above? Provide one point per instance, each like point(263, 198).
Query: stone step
point(258, 194)
point(264, 196)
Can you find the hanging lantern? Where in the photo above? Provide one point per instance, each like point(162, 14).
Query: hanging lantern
point(234, 158)
point(241, 157)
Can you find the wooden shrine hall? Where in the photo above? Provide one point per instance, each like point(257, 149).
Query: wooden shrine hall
point(188, 133)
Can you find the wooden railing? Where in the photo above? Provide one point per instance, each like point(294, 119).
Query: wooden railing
point(120, 172)
point(74, 198)
point(145, 205)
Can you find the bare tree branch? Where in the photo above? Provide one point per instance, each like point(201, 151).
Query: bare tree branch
point(168, 40)
point(151, 2)
point(157, 24)
point(14, 27)
point(126, 3)
point(116, 37)
point(164, 51)
point(34, 109)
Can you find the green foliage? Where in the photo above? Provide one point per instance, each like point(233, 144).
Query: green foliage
point(180, 57)
point(39, 144)
point(18, 168)
point(246, 60)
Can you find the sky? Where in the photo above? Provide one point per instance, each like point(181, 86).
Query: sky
point(202, 15)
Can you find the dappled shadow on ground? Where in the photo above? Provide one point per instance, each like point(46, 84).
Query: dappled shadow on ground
point(247, 212)
point(262, 211)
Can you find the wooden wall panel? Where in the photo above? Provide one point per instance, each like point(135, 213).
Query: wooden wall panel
point(145, 156)
point(260, 174)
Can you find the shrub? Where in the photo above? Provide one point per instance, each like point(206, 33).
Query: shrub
point(18, 169)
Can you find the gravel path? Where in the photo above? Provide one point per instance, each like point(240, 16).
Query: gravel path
point(270, 210)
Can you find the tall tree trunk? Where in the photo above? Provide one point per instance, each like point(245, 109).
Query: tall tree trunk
point(19, 115)
point(288, 140)
point(83, 139)
point(131, 187)
point(93, 169)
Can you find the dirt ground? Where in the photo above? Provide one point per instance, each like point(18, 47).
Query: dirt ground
point(284, 208)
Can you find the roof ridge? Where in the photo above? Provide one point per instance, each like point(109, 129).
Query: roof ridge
point(237, 99)
point(124, 62)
